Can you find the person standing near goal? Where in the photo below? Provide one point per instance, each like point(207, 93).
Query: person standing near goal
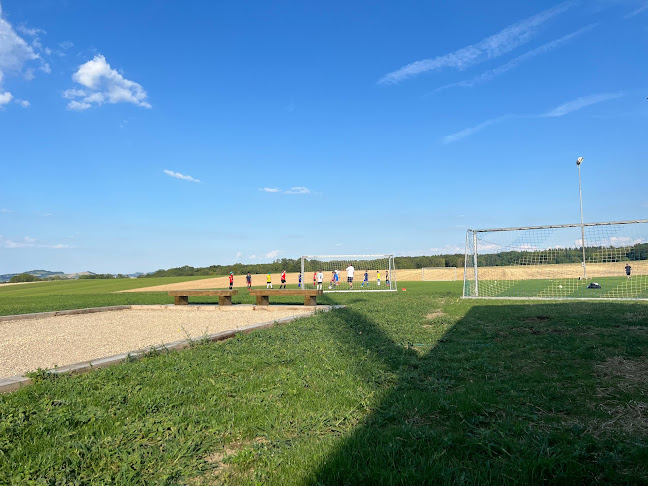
point(231, 279)
point(349, 271)
point(248, 279)
point(627, 269)
point(387, 278)
point(314, 279)
point(283, 279)
point(337, 278)
point(299, 284)
point(269, 281)
point(320, 279)
point(366, 279)
point(378, 277)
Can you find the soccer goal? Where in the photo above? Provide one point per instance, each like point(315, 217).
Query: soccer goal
point(438, 273)
point(370, 272)
point(592, 260)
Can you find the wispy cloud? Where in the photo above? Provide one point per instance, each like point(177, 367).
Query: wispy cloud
point(178, 175)
point(491, 47)
point(562, 110)
point(103, 84)
point(467, 132)
point(580, 103)
point(5, 210)
point(29, 242)
point(637, 11)
point(292, 190)
point(23, 103)
point(513, 63)
point(15, 53)
point(272, 254)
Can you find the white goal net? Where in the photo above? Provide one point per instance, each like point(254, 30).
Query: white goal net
point(349, 272)
point(553, 262)
point(438, 273)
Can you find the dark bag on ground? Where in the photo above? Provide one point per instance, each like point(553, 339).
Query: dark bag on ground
point(593, 285)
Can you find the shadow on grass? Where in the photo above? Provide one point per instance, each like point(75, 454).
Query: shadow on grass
point(510, 394)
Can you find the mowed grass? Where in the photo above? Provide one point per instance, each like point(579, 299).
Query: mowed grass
point(415, 387)
point(611, 288)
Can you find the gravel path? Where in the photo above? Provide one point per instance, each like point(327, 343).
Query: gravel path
point(26, 345)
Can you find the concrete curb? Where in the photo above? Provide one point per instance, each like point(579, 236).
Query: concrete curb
point(14, 383)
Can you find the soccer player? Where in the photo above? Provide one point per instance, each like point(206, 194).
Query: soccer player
point(299, 284)
point(387, 278)
point(366, 279)
point(248, 279)
point(337, 278)
point(320, 279)
point(283, 279)
point(349, 271)
point(627, 269)
point(231, 279)
point(332, 284)
point(378, 277)
point(314, 279)
point(269, 281)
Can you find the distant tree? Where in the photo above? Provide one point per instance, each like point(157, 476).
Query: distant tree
point(24, 277)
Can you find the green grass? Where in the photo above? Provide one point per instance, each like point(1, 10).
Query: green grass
point(611, 287)
point(499, 392)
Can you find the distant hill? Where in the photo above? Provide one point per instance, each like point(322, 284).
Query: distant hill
point(36, 273)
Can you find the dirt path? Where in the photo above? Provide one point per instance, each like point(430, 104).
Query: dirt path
point(26, 345)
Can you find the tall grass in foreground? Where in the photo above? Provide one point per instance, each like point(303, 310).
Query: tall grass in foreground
point(408, 388)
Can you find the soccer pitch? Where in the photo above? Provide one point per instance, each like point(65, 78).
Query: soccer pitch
point(617, 288)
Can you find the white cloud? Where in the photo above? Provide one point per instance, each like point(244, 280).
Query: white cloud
point(102, 84)
point(562, 110)
point(238, 254)
point(29, 242)
point(491, 47)
point(5, 98)
point(492, 73)
point(35, 32)
point(15, 52)
point(472, 130)
point(298, 190)
point(252, 257)
point(23, 103)
point(272, 254)
point(580, 103)
point(292, 190)
point(178, 175)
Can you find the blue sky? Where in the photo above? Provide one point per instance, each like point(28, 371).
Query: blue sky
point(152, 134)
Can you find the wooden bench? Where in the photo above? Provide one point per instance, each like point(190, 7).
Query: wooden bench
point(182, 296)
point(263, 295)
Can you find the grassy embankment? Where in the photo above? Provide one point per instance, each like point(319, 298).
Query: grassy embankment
point(400, 388)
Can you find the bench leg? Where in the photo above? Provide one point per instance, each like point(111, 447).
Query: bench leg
point(310, 300)
point(263, 300)
point(224, 300)
point(181, 299)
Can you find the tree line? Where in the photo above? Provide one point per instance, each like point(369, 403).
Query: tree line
point(506, 258)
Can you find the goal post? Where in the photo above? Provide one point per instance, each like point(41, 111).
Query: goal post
point(553, 262)
point(438, 273)
point(370, 272)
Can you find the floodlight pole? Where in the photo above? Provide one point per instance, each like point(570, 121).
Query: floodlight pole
point(579, 161)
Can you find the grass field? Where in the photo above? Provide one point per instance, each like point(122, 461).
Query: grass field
point(415, 387)
point(611, 288)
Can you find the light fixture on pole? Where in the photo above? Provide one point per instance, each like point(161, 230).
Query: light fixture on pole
point(579, 161)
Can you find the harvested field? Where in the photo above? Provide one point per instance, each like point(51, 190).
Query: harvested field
point(26, 345)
